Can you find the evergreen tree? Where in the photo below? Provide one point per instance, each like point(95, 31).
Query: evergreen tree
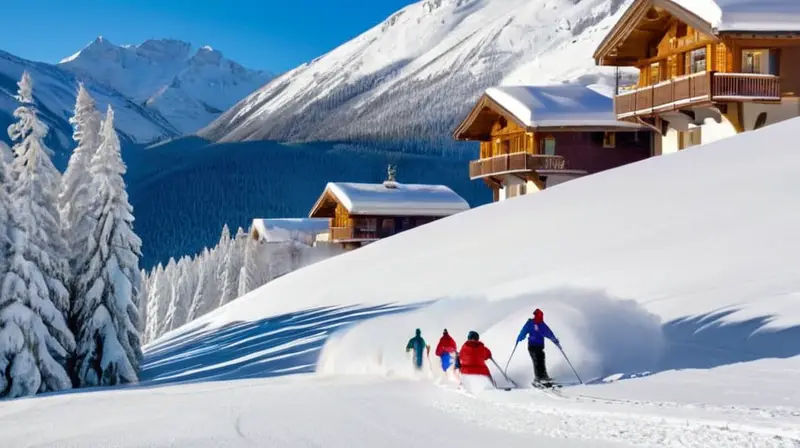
point(6, 156)
point(107, 317)
point(76, 194)
point(141, 301)
point(155, 300)
point(36, 341)
point(198, 297)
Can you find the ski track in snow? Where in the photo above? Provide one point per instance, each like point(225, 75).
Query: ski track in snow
point(640, 423)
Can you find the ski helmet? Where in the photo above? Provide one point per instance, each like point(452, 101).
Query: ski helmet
point(473, 336)
point(418, 332)
point(445, 331)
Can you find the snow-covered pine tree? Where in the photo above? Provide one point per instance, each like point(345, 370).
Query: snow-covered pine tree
point(36, 341)
point(35, 186)
point(155, 302)
point(181, 297)
point(198, 304)
point(247, 272)
point(75, 197)
point(109, 342)
point(6, 156)
point(141, 301)
point(255, 270)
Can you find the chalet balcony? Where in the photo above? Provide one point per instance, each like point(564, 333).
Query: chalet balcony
point(341, 233)
point(515, 163)
point(353, 234)
point(695, 89)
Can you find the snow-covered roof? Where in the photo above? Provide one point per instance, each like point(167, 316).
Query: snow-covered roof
point(746, 15)
point(290, 229)
point(558, 106)
point(397, 199)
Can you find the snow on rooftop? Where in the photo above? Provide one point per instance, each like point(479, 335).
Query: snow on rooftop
point(290, 229)
point(746, 15)
point(557, 105)
point(398, 199)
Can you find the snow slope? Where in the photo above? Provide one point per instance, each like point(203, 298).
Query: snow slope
point(188, 86)
point(55, 89)
point(672, 284)
point(412, 78)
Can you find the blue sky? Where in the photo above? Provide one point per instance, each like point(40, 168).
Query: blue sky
point(273, 35)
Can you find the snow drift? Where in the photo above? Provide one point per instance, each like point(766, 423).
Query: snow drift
point(604, 335)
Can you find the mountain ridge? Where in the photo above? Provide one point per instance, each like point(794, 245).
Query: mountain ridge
point(407, 81)
point(190, 86)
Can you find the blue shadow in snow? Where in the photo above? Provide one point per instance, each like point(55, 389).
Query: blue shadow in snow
point(709, 341)
point(279, 345)
point(712, 340)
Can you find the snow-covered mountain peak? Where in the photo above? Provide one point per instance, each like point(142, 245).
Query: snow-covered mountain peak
point(164, 50)
point(188, 86)
point(422, 68)
point(208, 55)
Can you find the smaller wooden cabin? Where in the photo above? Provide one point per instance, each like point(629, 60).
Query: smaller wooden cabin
point(282, 230)
point(361, 213)
point(533, 137)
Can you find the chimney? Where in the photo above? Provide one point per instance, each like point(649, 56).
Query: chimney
point(391, 177)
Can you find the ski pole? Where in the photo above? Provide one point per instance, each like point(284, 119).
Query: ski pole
point(511, 356)
point(570, 364)
point(504, 373)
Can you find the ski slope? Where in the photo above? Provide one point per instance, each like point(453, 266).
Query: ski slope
point(672, 284)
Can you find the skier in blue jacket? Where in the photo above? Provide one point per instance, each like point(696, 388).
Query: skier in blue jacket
point(536, 330)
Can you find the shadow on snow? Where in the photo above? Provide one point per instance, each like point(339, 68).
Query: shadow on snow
point(279, 345)
point(713, 340)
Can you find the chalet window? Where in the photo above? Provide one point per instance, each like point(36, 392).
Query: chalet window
point(387, 226)
point(759, 61)
point(367, 225)
point(697, 61)
point(548, 146)
point(505, 146)
point(655, 72)
point(609, 140)
point(681, 30)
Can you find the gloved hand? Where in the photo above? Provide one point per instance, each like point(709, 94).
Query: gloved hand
point(520, 338)
point(558, 344)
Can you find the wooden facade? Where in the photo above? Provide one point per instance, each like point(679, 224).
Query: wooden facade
point(353, 231)
point(532, 154)
point(683, 63)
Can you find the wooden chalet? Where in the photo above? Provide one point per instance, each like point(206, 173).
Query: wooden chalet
point(532, 137)
point(283, 230)
point(361, 213)
point(708, 69)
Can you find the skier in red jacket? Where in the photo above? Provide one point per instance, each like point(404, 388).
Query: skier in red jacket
point(446, 349)
point(473, 356)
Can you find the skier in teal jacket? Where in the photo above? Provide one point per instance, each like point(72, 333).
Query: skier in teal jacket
point(417, 343)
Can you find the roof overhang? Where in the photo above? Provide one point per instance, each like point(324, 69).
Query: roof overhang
point(634, 20)
point(325, 200)
point(478, 127)
point(478, 124)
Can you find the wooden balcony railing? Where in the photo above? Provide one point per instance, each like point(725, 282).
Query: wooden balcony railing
point(341, 233)
point(695, 89)
point(514, 163)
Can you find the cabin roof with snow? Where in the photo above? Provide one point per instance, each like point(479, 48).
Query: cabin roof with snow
point(389, 199)
point(561, 107)
point(281, 230)
point(646, 18)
